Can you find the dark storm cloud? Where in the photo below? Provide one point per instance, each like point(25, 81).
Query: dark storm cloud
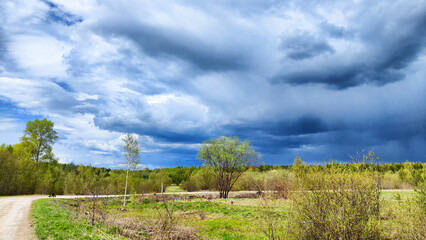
point(335, 31)
point(345, 76)
point(164, 43)
point(275, 137)
point(300, 126)
point(391, 41)
point(58, 15)
point(302, 46)
point(148, 127)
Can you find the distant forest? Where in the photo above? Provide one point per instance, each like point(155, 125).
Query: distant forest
point(29, 167)
point(20, 174)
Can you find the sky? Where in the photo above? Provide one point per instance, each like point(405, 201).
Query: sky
point(317, 79)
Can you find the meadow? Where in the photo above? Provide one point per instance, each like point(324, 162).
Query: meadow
point(196, 216)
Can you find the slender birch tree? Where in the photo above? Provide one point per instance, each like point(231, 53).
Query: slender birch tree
point(131, 154)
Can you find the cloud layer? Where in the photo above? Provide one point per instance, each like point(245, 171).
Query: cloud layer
point(317, 79)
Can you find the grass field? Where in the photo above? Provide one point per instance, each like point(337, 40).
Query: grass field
point(233, 218)
point(174, 189)
point(53, 221)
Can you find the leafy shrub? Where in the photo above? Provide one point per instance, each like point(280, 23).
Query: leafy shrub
point(336, 204)
point(203, 179)
point(393, 181)
point(280, 182)
point(250, 181)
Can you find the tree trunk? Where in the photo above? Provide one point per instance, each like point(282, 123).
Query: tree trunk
point(38, 151)
point(125, 190)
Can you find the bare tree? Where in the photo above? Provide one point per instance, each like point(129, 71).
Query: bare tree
point(368, 158)
point(131, 154)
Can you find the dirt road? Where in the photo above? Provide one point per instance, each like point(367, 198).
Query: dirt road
point(15, 213)
point(15, 217)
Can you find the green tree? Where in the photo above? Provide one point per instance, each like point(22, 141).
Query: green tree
point(39, 136)
point(298, 167)
point(26, 183)
point(8, 171)
point(297, 161)
point(228, 157)
point(131, 154)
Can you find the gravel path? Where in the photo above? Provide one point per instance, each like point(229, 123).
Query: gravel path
point(15, 217)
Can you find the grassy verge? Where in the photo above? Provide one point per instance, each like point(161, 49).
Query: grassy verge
point(55, 222)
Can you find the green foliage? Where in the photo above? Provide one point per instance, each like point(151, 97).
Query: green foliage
point(131, 151)
point(201, 179)
point(157, 179)
point(334, 203)
point(298, 167)
point(298, 162)
point(407, 216)
point(421, 197)
point(280, 181)
point(180, 174)
point(39, 137)
point(393, 181)
point(228, 157)
point(8, 176)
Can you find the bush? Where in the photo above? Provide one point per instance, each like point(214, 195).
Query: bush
point(190, 185)
point(334, 204)
point(280, 182)
point(409, 216)
point(202, 179)
point(393, 181)
point(250, 181)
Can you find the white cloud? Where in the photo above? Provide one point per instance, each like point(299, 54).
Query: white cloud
point(41, 56)
point(8, 123)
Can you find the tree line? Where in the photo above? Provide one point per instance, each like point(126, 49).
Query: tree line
point(29, 167)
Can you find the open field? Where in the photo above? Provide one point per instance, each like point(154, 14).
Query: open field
point(209, 219)
point(174, 189)
point(165, 216)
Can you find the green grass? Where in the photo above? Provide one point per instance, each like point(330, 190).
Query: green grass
point(231, 218)
point(174, 189)
point(55, 222)
point(210, 219)
point(392, 194)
